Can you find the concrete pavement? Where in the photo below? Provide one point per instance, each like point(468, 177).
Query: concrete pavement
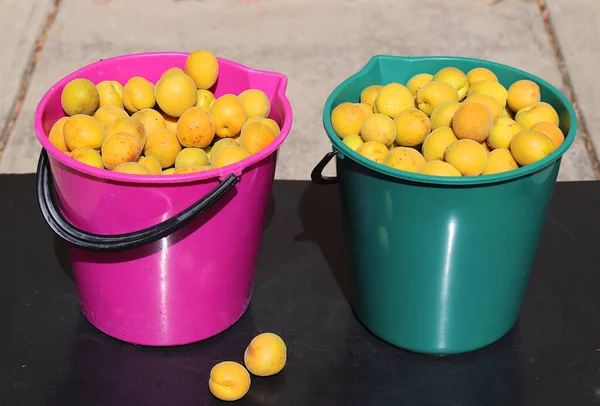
point(317, 43)
point(22, 22)
point(576, 30)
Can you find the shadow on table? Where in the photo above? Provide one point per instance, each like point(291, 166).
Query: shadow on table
point(383, 374)
point(61, 250)
point(270, 211)
point(492, 376)
point(320, 212)
point(103, 371)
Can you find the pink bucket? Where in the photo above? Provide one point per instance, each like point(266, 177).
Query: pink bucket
point(160, 260)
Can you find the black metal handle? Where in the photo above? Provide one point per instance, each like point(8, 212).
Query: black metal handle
point(317, 173)
point(48, 204)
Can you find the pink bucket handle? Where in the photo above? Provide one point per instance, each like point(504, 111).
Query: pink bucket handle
point(119, 242)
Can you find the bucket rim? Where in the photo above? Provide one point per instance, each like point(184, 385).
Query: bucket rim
point(211, 174)
point(343, 151)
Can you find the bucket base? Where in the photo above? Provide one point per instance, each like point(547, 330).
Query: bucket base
point(435, 351)
point(121, 334)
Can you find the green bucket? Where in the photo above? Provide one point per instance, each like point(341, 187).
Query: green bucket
point(440, 265)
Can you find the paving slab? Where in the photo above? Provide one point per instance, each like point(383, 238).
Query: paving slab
point(317, 43)
point(22, 21)
point(575, 24)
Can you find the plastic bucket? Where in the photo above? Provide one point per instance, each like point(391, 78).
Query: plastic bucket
point(160, 260)
point(440, 265)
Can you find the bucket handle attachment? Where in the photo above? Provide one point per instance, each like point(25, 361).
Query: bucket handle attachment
point(48, 204)
point(317, 176)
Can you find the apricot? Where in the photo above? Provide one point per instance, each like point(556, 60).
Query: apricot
point(151, 163)
point(416, 155)
point(502, 133)
point(366, 108)
point(392, 99)
point(373, 150)
point(133, 168)
point(347, 119)
point(417, 81)
point(552, 131)
point(268, 121)
point(150, 119)
point(229, 381)
point(435, 145)
point(454, 77)
point(88, 156)
point(491, 88)
point(498, 161)
point(191, 157)
point(404, 159)
point(442, 115)
point(175, 93)
point(412, 126)
point(228, 155)
point(108, 114)
point(433, 94)
point(491, 103)
point(522, 93)
point(353, 141)
point(255, 102)
point(473, 121)
point(255, 137)
point(528, 147)
point(378, 127)
point(206, 99)
point(196, 128)
point(266, 355)
point(129, 125)
point(110, 93)
point(56, 135)
point(170, 122)
point(222, 143)
point(468, 156)
point(138, 94)
point(80, 96)
point(536, 113)
point(228, 115)
point(439, 168)
point(170, 71)
point(119, 148)
point(163, 145)
point(203, 67)
point(190, 169)
point(82, 130)
point(369, 94)
point(479, 74)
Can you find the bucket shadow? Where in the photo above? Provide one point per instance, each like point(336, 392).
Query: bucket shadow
point(61, 251)
point(103, 371)
point(490, 376)
point(270, 211)
point(320, 215)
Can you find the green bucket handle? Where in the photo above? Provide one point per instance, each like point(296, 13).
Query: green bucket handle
point(317, 176)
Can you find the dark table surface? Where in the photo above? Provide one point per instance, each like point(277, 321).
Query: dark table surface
point(50, 355)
